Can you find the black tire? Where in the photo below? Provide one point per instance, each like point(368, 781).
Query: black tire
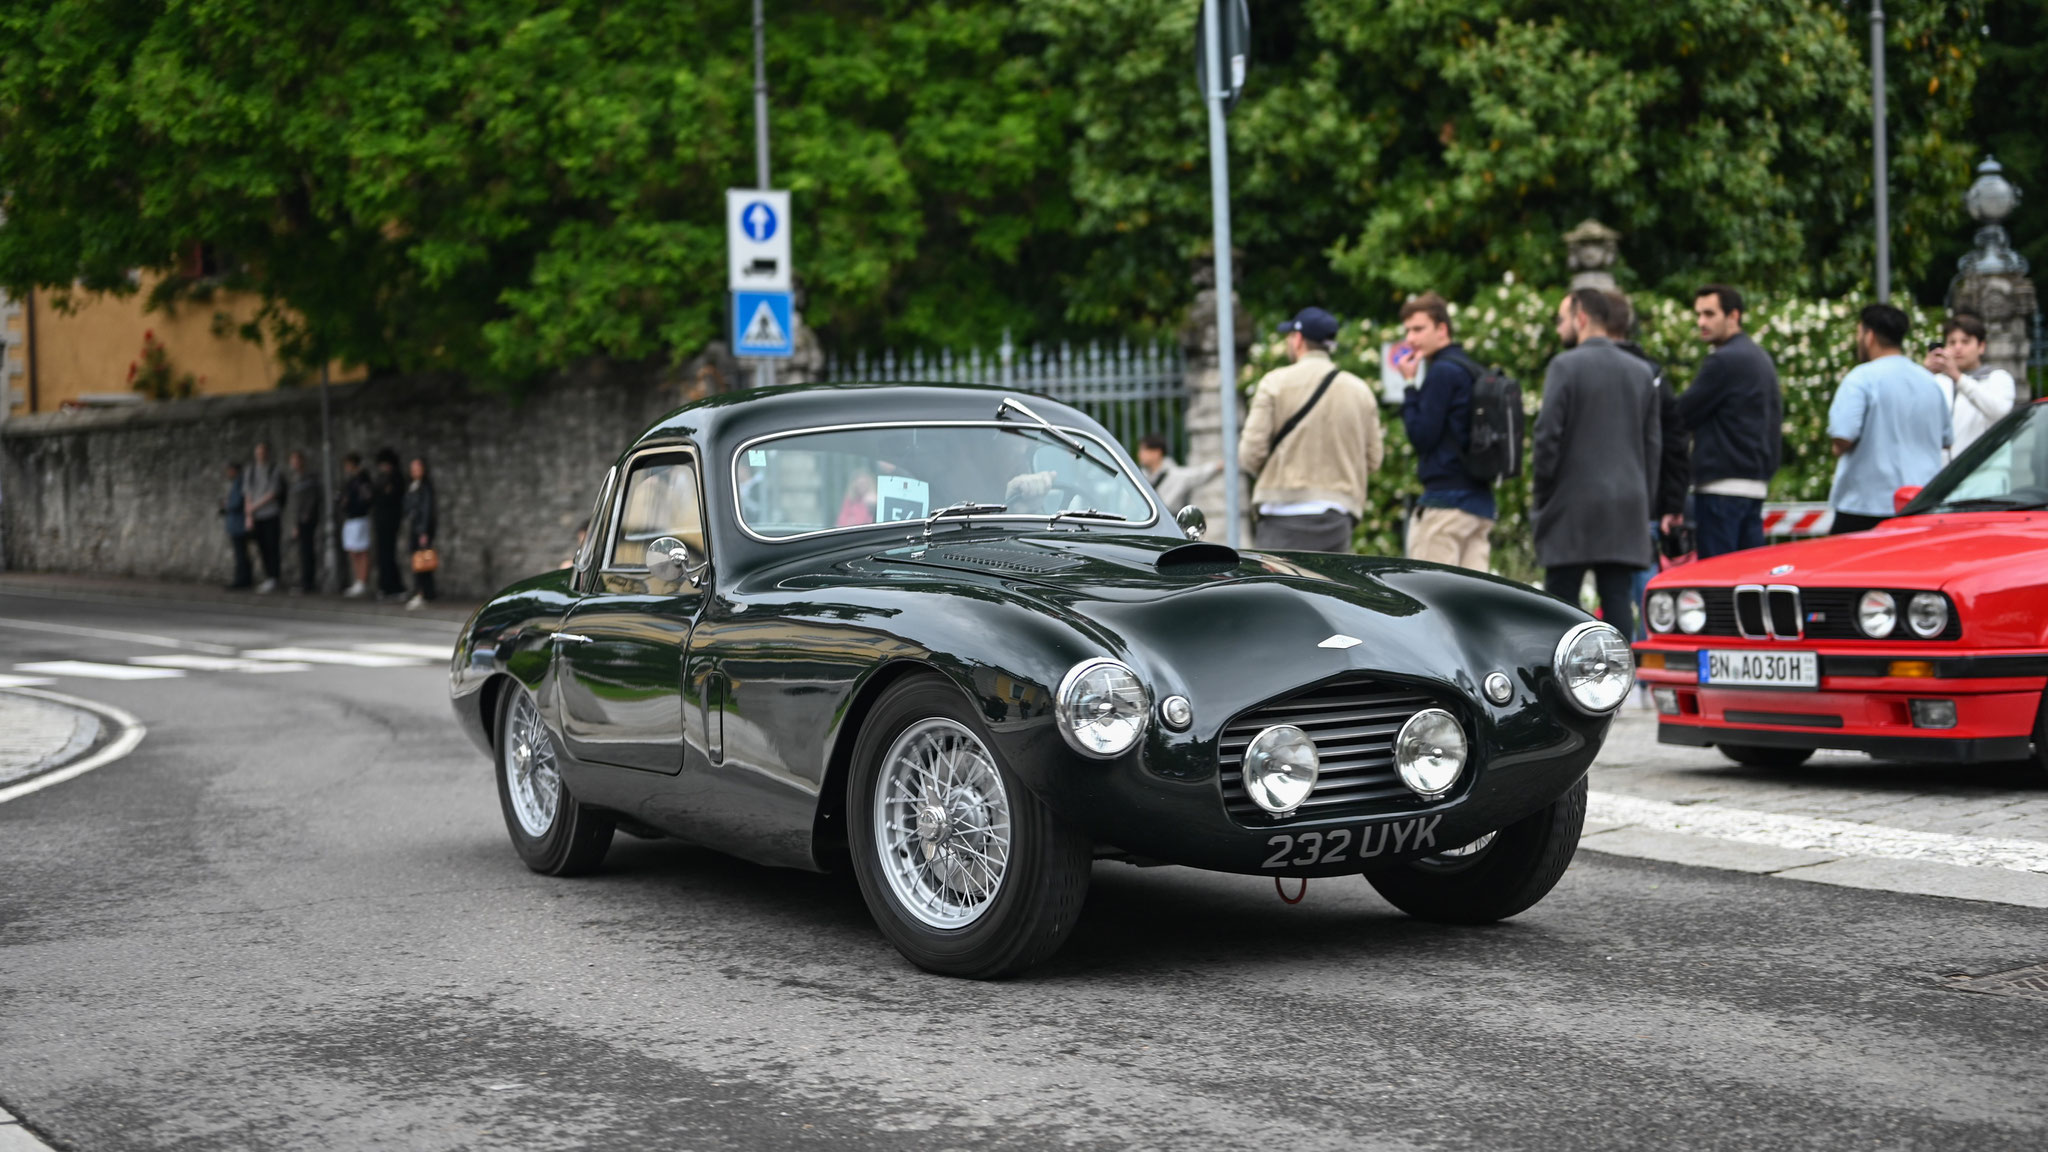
point(1044, 880)
point(574, 840)
point(1757, 756)
point(1520, 866)
point(2041, 735)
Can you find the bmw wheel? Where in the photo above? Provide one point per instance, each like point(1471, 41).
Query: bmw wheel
point(1495, 876)
point(964, 869)
point(554, 834)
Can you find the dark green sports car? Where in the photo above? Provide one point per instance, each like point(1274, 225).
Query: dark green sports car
point(947, 636)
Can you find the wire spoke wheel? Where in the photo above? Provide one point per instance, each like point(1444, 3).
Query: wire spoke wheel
point(533, 778)
point(942, 823)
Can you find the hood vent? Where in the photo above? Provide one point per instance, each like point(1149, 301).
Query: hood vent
point(1029, 561)
point(1198, 559)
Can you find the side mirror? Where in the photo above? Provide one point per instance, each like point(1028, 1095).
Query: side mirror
point(668, 561)
point(1192, 522)
point(1904, 496)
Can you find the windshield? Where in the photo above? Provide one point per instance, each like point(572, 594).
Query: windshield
point(2005, 469)
point(808, 482)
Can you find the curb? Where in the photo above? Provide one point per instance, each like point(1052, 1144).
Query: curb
point(15, 1136)
point(119, 732)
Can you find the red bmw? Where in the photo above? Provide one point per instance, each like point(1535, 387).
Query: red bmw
point(1925, 638)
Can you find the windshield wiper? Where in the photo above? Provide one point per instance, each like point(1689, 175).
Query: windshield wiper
point(1991, 504)
point(1011, 403)
point(963, 508)
point(1087, 514)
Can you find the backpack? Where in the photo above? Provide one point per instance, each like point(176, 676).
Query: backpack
point(1493, 444)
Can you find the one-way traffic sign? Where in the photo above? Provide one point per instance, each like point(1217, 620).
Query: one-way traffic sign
point(757, 240)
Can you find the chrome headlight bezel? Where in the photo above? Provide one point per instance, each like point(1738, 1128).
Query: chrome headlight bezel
point(1877, 605)
point(1614, 677)
point(1268, 744)
point(1126, 725)
point(1938, 615)
point(1660, 612)
point(1692, 611)
point(1417, 753)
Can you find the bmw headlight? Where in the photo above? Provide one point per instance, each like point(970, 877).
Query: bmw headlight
point(1692, 611)
point(1102, 708)
point(1927, 614)
point(1662, 615)
point(1595, 667)
point(1877, 614)
point(1430, 752)
point(1280, 768)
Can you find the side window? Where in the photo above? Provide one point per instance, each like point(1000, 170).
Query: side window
point(660, 500)
point(593, 528)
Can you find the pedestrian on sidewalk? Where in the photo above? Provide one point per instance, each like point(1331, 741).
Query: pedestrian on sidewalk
point(1597, 446)
point(1734, 411)
point(1978, 395)
point(355, 500)
point(419, 533)
point(387, 516)
point(1453, 522)
point(1312, 438)
point(1175, 482)
point(1673, 468)
point(234, 516)
point(304, 501)
point(264, 486)
point(1888, 423)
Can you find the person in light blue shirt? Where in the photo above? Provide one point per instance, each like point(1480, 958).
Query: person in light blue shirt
point(1889, 424)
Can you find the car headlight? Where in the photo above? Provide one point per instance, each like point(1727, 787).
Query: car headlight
point(1102, 707)
point(1877, 614)
point(1660, 612)
point(1927, 614)
point(1692, 611)
point(1595, 667)
point(1430, 752)
point(1280, 768)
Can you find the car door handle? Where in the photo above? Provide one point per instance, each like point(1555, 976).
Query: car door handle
point(569, 638)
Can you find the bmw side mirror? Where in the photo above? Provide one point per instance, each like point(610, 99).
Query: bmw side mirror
point(1192, 522)
point(1905, 496)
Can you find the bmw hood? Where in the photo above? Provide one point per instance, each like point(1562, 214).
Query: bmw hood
point(1928, 551)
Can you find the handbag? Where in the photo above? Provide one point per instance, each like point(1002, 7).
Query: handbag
point(425, 560)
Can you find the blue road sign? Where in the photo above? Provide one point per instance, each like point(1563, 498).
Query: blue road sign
point(761, 324)
point(759, 221)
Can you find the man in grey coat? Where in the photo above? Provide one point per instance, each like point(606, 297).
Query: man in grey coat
point(1598, 439)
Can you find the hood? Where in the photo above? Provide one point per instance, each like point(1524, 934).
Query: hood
point(1088, 565)
point(1909, 552)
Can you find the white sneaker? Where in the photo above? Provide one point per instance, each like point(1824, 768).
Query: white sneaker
point(416, 602)
point(267, 587)
point(357, 589)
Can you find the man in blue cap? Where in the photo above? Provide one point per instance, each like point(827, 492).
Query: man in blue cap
point(1312, 438)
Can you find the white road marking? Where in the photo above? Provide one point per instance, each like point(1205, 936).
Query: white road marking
point(331, 656)
point(91, 671)
point(110, 634)
point(195, 662)
point(129, 734)
point(7, 681)
point(423, 651)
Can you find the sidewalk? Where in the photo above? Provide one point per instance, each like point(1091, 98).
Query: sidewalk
point(279, 603)
point(37, 736)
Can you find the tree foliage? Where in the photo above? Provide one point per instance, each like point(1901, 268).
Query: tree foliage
point(501, 188)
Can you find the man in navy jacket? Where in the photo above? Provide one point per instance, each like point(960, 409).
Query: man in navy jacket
point(1735, 412)
point(1455, 516)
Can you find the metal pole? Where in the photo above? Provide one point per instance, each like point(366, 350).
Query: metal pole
point(764, 369)
point(1878, 154)
point(1219, 198)
point(330, 552)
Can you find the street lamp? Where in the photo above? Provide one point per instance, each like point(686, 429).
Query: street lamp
point(1878, 158)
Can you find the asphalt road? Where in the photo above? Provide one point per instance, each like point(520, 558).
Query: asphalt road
point(291, 919)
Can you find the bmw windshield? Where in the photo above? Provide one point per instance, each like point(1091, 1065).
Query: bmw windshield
point(2005, 470)
point(803, 483)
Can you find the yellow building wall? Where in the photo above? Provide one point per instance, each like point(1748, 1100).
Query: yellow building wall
point(86, 351)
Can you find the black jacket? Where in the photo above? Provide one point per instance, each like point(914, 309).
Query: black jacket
point(419, 513)
point(1438, 416)
point(387, 500)
point(1735, 413)
point(1674, 468)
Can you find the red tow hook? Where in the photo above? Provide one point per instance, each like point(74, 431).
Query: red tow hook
point(1300, 894)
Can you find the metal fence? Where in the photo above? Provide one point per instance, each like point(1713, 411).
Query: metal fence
point(1135, 391)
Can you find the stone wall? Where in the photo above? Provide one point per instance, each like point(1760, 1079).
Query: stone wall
point(135, 491)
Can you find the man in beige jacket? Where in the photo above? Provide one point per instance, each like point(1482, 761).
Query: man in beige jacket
point(1312, 438)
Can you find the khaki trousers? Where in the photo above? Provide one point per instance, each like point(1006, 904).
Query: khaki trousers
point(1450, 536)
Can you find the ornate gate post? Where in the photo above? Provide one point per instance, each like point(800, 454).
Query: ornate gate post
point(1992, 278)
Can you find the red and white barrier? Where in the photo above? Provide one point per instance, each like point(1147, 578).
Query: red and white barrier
point(1798, 519)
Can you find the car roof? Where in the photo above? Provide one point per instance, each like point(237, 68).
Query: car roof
point(720, 422)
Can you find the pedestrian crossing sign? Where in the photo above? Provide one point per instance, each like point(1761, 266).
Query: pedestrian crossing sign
point(762, 326)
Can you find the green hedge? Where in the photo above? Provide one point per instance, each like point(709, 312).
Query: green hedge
point(1813, 342)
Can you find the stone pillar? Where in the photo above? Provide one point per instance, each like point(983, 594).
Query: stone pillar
point(1591, 249)
point(1992, 281)
point(1204, 419)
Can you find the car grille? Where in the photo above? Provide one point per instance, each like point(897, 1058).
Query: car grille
point(1802, 613)
point(1353, 721)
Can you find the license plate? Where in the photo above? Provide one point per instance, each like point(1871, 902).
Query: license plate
point(1760, 669)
